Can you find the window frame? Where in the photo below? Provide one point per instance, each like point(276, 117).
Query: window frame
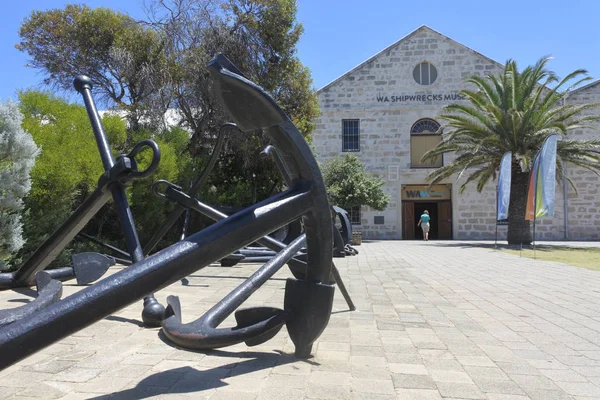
point(418, 134)
point(355, 214)
point(420, 67)
point(348, 137)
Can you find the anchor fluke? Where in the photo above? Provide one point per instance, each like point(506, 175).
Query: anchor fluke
point(250, 316)
point(89, 266)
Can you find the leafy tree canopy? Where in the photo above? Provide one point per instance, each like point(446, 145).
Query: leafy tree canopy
point(122, 58)
point(69, 158)
point(150, 66)
point(68, 166)
point(348, 185)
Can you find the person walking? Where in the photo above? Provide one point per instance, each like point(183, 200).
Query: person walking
point(424, 223)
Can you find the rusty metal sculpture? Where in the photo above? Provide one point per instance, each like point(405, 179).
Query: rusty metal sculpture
point(308, 301)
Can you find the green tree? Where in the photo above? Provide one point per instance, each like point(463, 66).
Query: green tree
point(148, 67)
point(17, 156)
point(259, 37)
point(348, 185)
point(514, 111)
point(68, 166)
point(122, 57)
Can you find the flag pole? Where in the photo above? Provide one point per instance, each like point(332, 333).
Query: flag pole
point(496, 218)
point(535, 182)
point(525, 224)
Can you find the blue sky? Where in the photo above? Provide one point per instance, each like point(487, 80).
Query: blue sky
point(340, 34)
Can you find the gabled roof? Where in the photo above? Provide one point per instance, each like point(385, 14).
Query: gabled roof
point(584, 87)
point(419, 29)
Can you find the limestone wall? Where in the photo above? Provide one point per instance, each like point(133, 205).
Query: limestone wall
point(584, 206)
point(383, 95)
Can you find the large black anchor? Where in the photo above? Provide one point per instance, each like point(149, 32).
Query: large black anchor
point(119, 172)
point(87, 267)
point(254, 325)
point(297, 264)
point(308, 302)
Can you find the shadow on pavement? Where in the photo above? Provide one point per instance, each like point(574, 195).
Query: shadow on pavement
point(189, 380)
point(225, 277)
point(474, 245)
point(505, 246)
point(123, 319)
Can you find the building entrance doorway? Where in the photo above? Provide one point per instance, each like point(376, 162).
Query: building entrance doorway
point(436, 200)
point(440, 213)
point(432, 209)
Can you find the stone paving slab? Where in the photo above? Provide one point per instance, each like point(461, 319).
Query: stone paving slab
point(435, 320)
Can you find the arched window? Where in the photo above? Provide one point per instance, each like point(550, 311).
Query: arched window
point(425, 73)
point(424, 135)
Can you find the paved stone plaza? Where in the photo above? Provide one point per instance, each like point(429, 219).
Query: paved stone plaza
point(435, 320)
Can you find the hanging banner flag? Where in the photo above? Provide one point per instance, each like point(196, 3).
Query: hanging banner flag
point(531, 189)
point(503, 189)
point(542, 181)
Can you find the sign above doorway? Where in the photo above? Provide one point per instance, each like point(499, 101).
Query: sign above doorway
point(424, 192)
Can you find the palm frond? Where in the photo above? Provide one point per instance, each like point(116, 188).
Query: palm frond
point(514, 111)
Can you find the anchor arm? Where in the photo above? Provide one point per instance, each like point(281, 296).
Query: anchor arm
point(204, 334)
point(49, 292)
point(48, 251)
point(185, 201)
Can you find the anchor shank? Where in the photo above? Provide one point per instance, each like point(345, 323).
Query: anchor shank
point(33, 333)
point(48, 251)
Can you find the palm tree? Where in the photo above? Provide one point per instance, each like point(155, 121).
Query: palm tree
point(514, 111)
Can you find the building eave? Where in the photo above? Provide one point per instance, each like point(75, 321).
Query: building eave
point(584, 87)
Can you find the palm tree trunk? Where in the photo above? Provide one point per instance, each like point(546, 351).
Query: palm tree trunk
point(518, 228)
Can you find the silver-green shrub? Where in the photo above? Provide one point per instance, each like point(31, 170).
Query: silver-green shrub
point(17, 156)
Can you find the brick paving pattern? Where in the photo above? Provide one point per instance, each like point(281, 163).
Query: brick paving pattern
point(435, 320)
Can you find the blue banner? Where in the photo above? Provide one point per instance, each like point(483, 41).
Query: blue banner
point(503, 189)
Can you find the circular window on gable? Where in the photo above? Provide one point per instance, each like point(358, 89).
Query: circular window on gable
point(425, 73)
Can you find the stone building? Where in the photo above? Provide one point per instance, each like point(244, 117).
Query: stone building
point(385, 111)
